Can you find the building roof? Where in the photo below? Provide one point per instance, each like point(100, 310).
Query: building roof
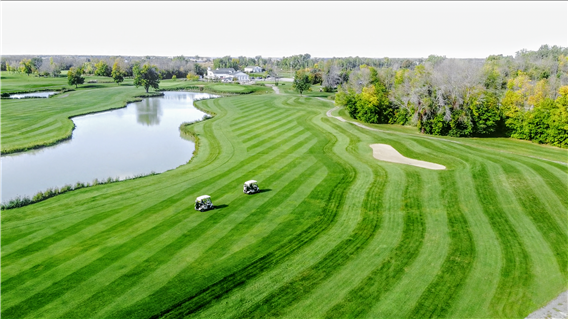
point(224, 71)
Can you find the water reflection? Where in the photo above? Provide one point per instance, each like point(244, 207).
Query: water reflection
point(35, 94)
point(138, 139)
point(149, 112)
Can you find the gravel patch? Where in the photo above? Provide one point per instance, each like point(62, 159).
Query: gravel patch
point(557, 309)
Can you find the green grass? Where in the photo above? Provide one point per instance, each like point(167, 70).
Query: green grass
point(336, 233)
point(32, 123)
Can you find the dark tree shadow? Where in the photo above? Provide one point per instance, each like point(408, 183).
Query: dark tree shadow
point(91, 86)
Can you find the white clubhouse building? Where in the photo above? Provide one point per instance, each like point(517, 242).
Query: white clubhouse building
point(253, 69)
point(227, 74)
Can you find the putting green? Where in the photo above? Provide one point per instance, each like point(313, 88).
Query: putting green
point(334, 233)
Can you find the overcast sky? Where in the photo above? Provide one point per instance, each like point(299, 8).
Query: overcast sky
point(277, 29)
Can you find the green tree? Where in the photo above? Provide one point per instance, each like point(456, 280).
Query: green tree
point(102, 69)
point(26, 66)
point(147, 76)
point(75, 76)
point(117, 73)
point(192, 77)
point(301, 81)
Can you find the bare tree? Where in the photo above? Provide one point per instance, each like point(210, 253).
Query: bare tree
point(331, 77)
point(358, 79)
point(454, 80)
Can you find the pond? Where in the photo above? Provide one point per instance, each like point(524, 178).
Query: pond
point(141, 138)
point(35, 94)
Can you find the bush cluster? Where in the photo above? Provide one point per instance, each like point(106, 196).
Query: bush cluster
point(500, 96)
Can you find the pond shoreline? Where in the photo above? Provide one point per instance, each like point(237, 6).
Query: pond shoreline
point(137, 98)
point(21, 201)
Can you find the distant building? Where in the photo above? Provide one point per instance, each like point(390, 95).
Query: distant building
point(253, 69)
point(227, 75)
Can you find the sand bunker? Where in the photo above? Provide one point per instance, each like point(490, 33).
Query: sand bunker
point(387, 153)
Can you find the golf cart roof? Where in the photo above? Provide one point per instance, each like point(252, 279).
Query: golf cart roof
point(250, 182)
point(202, 197)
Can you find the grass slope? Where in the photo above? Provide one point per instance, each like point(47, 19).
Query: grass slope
point(334, 234)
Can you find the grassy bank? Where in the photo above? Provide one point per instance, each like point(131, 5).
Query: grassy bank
point(335, 233)
point(35, 123)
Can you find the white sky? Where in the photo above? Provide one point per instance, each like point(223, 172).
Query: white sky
point(276, 29)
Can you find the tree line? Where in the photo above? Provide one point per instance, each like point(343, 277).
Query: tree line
point(524, 97)
point(178, 66)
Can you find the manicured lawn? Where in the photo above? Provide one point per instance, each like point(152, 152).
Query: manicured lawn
point(335, 233)
point(17, 82)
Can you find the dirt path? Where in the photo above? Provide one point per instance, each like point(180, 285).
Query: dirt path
point(557, 309)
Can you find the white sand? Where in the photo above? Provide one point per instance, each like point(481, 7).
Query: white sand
point(557, 308)
point(387, 153)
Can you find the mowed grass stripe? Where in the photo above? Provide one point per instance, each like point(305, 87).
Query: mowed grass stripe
point(372, 288)
point(276, 303)
point(516, 273)
point(437, 299)
point(530, 241)
point(386, 237)
point(290, 155)
point(210, 262)
point(239, 123)
point(20, 236)
point(269, 138)
point(21, 304)
point(45, 242)
point(540, 215)
point(439, 295)
point(276, 216)
point(544, 183)
point(136, 239)
point(252, 117)
point(125, 226)
point(330, 191)
point(557, 183)
point(270, 131)
point(22, 134)
point(76, 221)
point(155, 261)
point(290, 268)
point(54, 238)
point(528, 193)
point(248, 127)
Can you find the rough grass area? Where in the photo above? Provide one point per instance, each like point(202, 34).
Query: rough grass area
point(334, 233)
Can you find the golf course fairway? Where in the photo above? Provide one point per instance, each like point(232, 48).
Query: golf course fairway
point(334, 232)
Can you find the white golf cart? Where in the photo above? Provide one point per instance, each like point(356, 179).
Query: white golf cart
point(203, 203)
point(250, 187)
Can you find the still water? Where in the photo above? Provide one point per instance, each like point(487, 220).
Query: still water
point(142, 138)
point(35, 94)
